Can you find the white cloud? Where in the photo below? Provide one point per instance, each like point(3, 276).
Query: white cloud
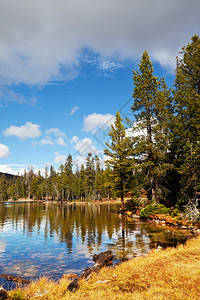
point(137, 131)
point(94, 122)
point(12, 96)
point(16, 169)
point(8, 95)
point(109, 66)
point(79, 160)
point(28, 130)
point(10, 169)
point(59, 159)
point(4, 151)
point(52, 141)
point(84, 146)
point(42, 41)
point(60, 141)
point(45, 141)
point(55, 131)
point(73, 110)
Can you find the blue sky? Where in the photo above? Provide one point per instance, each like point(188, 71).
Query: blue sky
point(66, 68)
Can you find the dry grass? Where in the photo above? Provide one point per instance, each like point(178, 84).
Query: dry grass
point(173, 273)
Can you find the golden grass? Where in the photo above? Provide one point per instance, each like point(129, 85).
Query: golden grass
point(173, 273)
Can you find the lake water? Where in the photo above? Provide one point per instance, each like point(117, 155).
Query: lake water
point(53, 239)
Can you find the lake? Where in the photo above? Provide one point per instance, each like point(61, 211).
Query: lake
point(39, 239)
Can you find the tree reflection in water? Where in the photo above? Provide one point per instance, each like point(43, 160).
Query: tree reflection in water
point(33, 236)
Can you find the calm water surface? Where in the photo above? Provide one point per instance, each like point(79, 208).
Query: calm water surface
point(53, 239)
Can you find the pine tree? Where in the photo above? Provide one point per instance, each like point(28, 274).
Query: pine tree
point(108, 182)
point(61, 183)
point(119, 152)
point(186, 122)
point(29, 177)
point(68, 176)
point(82, 182)
point(90, 176)
point(151, 109)
point(34, 186)
point(98, 178)
point(3, 188)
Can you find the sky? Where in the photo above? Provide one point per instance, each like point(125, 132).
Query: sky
point(66, 69)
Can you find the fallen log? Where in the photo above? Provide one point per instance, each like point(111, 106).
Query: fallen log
point(15, 278)
point(101, 260)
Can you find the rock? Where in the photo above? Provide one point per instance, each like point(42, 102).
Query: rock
point(184, 227)
point(134, 216)
point(103, 281)
point(159, 248)
point(15, 278)
point(3, 294)
point(41, 294)
point(69, 276)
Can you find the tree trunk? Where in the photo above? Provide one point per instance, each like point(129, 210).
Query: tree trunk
point(150, 155)
point(122, 191)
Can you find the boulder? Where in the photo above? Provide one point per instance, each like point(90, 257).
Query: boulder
point(184, 227)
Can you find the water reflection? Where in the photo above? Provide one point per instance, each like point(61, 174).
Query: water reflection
point(52, 239)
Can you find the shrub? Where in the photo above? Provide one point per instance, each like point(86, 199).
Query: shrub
point(153, 209)
point(132, 204)
point(175, 213)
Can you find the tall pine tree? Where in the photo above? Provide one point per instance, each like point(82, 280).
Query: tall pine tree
point(186, 122)
point(119, 152)
point(151, 109)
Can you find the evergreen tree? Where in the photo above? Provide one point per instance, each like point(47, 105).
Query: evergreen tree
point(61, 183)
point(90, 177)
point(98, 178)
point(108, 182)
point(151, 111)
point(76, 189)
point(82, 182)
point(29, 177)
point(34, 186)
point(119, 152)
point(186, 121)
point(68, 176)
point(3, 188)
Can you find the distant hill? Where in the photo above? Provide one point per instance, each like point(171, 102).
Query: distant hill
point(8, 176)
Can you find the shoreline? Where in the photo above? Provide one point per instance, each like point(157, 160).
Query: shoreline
point(171, 273)
point(155, 219)
point(62, 202)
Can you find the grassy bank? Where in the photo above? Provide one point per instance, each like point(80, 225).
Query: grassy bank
point(173, 273)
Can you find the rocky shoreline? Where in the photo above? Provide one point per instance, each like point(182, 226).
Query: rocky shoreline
point(167, 220)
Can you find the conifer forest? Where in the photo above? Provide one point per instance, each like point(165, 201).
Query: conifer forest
point(157, 150)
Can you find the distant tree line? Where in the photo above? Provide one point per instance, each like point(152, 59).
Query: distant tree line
point(87, 183)
point(158, 149)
